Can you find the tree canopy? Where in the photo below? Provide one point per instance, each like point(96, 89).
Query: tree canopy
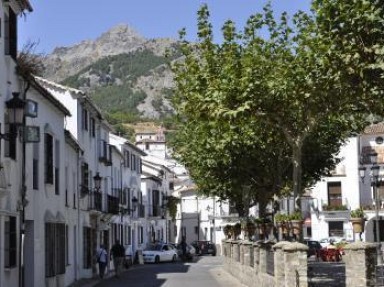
point(259, 114)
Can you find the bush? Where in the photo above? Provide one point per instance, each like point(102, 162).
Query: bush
point(357, 213)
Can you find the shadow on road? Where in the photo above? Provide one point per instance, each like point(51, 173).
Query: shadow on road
point(146, 275)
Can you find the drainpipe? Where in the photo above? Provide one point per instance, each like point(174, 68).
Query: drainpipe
point(23, 199)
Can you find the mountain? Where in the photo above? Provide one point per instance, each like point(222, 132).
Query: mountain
point(127, 75)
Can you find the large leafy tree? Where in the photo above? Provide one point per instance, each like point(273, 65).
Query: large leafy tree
point(255, 108)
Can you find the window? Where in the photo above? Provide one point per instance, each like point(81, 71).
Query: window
point(35, 166)
point(10, 242)
point(87, 252)
point(84, 178)
point(10, 35)
point(126, 158)
point(133, 162)
point(48, 150)
point(336, 228)
point(84, 119)
point(93, 127)
point(334, 194)
point(128, 238)
point(55, 249)
point(11, 143)
point(141, 234)
point(196, 229)
point(57, 167)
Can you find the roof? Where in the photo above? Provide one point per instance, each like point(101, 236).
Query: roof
point(374, 129)
point(78, 93)
point(47, 95)
point(124, 141)
point(71, 140)
point(24, 5)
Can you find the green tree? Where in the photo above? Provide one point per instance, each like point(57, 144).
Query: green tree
point(254, 108)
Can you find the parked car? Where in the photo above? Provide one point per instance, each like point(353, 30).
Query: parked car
point(333, 239)
point(314, 248)
point(204, 247)
point(160, 252)
point(191, 251)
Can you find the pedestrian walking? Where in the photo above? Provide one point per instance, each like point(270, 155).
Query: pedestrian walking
point(102, 258)
point(117, 254)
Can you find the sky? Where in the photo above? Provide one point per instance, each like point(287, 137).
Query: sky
point(62, 23)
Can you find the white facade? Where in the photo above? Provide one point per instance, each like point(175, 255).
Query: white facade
point(353, 191)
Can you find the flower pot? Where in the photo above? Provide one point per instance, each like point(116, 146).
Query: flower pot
point(357, 224)
point(297, 226)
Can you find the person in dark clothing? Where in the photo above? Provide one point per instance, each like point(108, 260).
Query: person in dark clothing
point(183, 248)
point(117, 254)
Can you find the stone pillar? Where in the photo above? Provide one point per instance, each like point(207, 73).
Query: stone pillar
point(235, 247)
point(360, 259)
point(256, 257)
point(263, 257)
point(241, 245)
point(296, 264)
point(248, 253)
point(279, 263)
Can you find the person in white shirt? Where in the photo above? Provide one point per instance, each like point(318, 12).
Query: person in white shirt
point(102, 258)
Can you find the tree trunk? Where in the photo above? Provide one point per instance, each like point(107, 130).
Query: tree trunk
point(297, 171)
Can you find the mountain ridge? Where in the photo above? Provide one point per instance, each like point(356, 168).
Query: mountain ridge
point(119, 66)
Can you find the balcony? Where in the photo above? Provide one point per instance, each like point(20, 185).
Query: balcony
point(105, 153)
point(113, 204)
point(95, 201)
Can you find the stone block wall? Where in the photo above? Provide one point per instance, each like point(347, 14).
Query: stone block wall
point(248, 262)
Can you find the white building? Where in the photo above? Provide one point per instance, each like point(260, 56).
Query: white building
point(334, 197)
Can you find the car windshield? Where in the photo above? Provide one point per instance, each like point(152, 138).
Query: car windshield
point(154, 247)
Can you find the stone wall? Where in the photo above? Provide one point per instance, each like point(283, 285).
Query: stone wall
point(250, 262)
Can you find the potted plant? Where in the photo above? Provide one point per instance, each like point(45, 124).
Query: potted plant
point(357, 220)
point(227, 231)
point(236, 230)
point(248, 226)
point(296, 220)
point(282, 222)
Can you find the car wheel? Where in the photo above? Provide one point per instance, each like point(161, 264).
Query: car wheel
point(174, 258)
point(157, 259)
point(214, 254)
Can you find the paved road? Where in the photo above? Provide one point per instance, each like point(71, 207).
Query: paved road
point(204, 271)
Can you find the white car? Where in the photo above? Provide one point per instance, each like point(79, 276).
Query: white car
point(160, 252)
point(327, 241)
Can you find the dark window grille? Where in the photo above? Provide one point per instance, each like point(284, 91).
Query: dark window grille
point(48, 150)
point(85, 119)
point(35, 174)
point(10, 242)
point(10, 34)
point(55, 249)
point(87, 252)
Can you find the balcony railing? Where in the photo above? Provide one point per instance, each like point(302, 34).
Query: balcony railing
point(113, 204)
point(95, 201)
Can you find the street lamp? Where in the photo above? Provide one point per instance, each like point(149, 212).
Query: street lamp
point(97, 180)
point(375, 182)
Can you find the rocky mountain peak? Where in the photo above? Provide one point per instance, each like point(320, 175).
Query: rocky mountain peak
point(66, 61)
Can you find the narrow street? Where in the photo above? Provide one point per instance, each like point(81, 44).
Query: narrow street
point(204, 271)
